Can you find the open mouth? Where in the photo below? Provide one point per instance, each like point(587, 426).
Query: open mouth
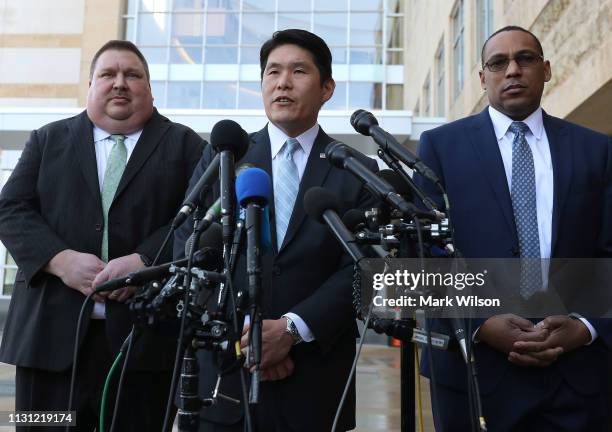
point(282, 99)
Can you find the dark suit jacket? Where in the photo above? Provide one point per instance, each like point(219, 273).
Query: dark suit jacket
point(52, 202)
point(466, 156)
point(310, 276)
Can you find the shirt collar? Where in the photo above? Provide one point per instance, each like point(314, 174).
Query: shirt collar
point(278, 138)
point(100, 134)
point(502, 122)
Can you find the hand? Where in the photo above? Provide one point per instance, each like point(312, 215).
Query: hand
point(119, 267)
point(565, 335)
point(276, 342)
point(279, 371)
point(502, 331)
point(76, 269)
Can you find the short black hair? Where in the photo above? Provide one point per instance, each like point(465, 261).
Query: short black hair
point(119, 45)
point(511, 28)
point(304, 39)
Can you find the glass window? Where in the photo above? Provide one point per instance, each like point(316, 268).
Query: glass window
point(158, 88)
point(249, 95)
point(292, 6)
point(129, 28)
point(219, 95)
point(440, 89)
point(183, 94)
point(185, 54)
point(130, 8)
point(259, 5)
point(395, 57)
point(395, 97)
point(330, 5)
point(338, 55)
point(188, 5)
point(257, 28)
point(331, 27)
point(427, 96)
point(294, 21)
point(249, 55)
point(187, 28)
point(221, 55)
point(366, 29)
point(338, 100)
point(395, 6)
point(222, 28)
point(366, 55)
point(10, 272)
point(484, 24)
point(395, 28)
point(154, 5)
point(155, 54)
point(368, 5)
point(458, 49)
point(365, 95)
point(217, 5)
point(153, 28)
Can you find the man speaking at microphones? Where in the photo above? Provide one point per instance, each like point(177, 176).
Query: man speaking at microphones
point(309, 331)
point(91, 199)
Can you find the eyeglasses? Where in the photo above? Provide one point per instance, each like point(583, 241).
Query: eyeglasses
point(524, 60)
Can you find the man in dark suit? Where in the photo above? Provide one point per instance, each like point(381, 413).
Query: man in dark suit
point(91, 199)
point(522, 183)
point(308, 328)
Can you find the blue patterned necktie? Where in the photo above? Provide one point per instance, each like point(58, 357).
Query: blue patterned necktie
point(286, 186)
point(523, 195)
point(115, 165)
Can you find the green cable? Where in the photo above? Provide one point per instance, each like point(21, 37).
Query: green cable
point(106, 386)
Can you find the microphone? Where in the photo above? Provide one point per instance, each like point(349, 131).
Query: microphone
point(254, 188)
point(321, 205)
point(366, 124)
point(208, 256)
point(342, 156)
point(396, 182)
point(237, 146)
point(228, 138)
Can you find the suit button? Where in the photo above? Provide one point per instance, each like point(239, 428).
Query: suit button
point(276, 270)
point(98, 227)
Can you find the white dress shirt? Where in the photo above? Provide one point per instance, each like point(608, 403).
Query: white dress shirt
point(544, 180)
point(103, 144)
point(300, 158)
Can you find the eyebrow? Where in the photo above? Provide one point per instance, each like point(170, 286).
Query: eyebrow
point(523, 51)
point(299, 63)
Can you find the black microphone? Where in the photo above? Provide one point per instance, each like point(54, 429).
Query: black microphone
point(208, 255)
point(366, 124)
point(254, 189)
point(237, 146)
point(321, 205)
point(228, 139)
point(342, 156)
point(396, 182)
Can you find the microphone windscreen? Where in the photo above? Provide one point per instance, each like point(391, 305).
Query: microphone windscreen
point(394, 179)
point(362, 121)
point(317, 200)
point(229, 135)
point(211, 238)
point(253, 185)
point(353, 218)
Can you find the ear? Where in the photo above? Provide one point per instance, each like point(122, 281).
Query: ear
point(481, 74)
point(328, 89)
point(547, 71)
point(89, 83)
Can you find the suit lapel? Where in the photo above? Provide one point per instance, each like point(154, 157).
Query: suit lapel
point(561, 155)
point(485, 146)
point(151, 135)
point(314, 175)
point(81, 138)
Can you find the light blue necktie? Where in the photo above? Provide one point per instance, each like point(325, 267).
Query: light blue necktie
point(523, 195)
point(286, 186)
point(115, 165)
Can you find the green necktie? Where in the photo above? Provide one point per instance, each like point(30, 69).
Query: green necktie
point(115, 165)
